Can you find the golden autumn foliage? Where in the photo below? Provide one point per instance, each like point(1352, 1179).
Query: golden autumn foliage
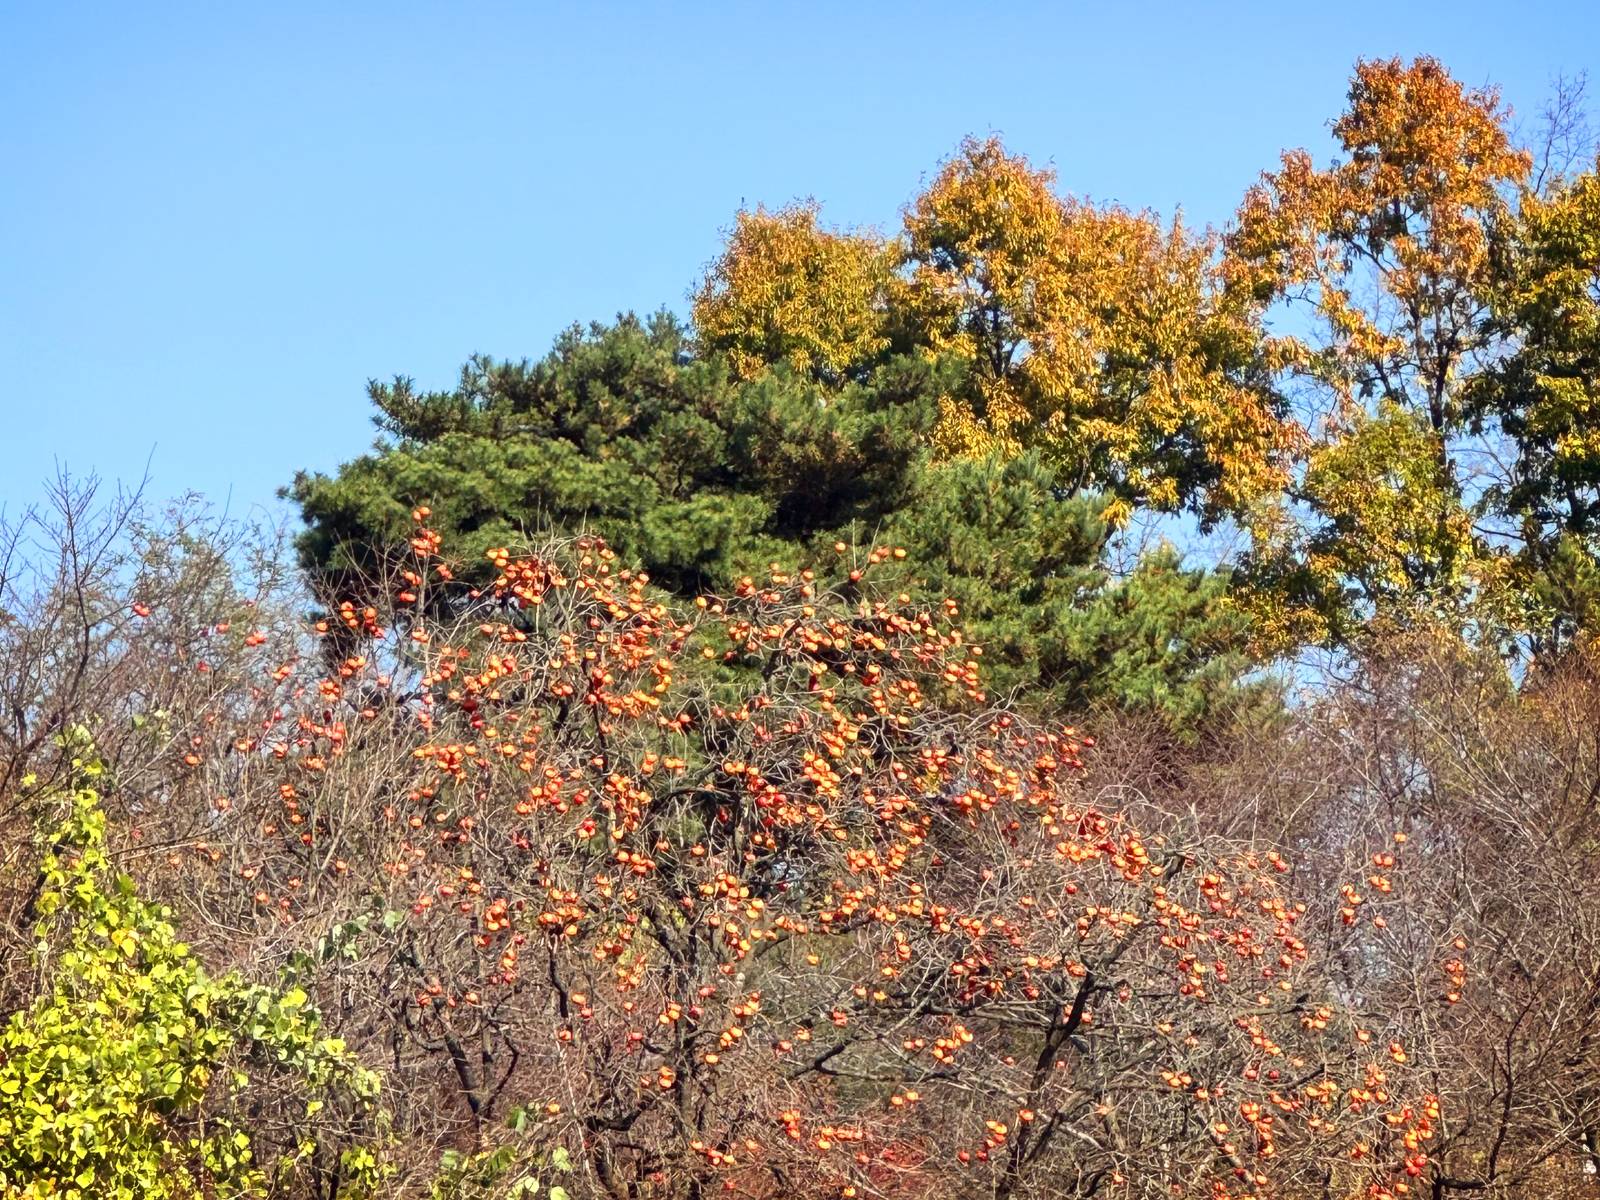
point(1386, 256)
point(1331, 373)
point(1390, 532)
point(1250, 376)
point(1545, 398)
point(1094, 335)
point(1390, 246)
point(988, 276)
point(1097, 335)
point(787, 290)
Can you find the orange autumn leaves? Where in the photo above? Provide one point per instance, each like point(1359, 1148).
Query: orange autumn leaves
point(1428, 169)
point(763, 883)
point(1097, 336)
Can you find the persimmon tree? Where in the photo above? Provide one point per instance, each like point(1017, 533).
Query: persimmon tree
point(1483, 906)
point(1440, 813)
point(762, 893)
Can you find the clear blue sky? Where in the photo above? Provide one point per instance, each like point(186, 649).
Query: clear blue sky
point(217, 221)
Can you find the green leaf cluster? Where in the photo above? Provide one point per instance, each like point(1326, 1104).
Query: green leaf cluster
point(1544, 397)
point(137, 1075)
point(507, 1171)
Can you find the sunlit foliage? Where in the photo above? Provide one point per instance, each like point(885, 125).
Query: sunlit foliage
point(785, 290)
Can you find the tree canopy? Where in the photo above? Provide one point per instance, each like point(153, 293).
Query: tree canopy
point(1376, 376)
point(786, 753)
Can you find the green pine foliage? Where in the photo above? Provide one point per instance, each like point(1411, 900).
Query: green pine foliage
point(701, 477)
point(1026, 562)
point(620, 430)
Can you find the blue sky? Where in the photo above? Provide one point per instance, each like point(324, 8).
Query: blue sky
point(218, 221)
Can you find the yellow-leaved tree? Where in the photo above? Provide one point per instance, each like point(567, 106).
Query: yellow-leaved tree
point(1381, 263)
point(1096, 335)
point(786, 289)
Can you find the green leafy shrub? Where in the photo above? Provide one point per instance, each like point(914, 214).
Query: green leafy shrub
point(135, 1075)
point(507, 1171)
